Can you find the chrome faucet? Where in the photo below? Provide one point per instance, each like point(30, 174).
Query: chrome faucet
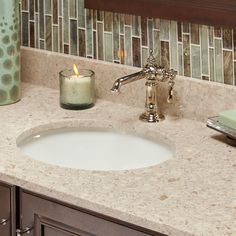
point(153, 75)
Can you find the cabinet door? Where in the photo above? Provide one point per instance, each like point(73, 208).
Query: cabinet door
point(7, 210)
point(45, 217)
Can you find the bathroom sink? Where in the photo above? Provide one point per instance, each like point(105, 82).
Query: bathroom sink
point(94, 149)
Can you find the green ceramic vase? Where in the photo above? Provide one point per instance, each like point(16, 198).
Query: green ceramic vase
point(9, 51)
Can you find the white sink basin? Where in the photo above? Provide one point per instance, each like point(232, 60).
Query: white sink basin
point(94, 149)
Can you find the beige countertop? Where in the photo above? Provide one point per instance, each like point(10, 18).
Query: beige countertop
point(194, 193)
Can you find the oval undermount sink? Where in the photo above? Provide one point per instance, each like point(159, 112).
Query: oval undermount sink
point(94, 149)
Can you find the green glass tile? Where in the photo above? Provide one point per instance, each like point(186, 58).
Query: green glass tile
point(173, 45)
point(122, 23)
point(212, 64)
point(48, 7)
point(89, 32)
point(48, 20)
point(41, 44)
point(157, 46)
point(94, 44)
point(136, 25)
point(128, 46)
point(60, 7)
point(41, 19)
point(186, 27)
point(196, 62)
point(73, 37)
point(100, 15)
point(32, 9)
point(219, 76)
point(81, 13)
point(211, 35)
point(180, 59)
point(145, 55)
point(55, 39)
point(150, 34)
point(204, 50)
point(116, 36)
point(165, 54)
point(100, 41)
point(108, 47)
point(66, 21)
point(156, 24)
point(36, 31)
point(73, 8)
point(179, 25)
point(165, 30)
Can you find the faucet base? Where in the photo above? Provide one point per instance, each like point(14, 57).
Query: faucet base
point(151, 117)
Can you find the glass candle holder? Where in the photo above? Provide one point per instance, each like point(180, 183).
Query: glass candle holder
point(77, 92)
point(9, 51)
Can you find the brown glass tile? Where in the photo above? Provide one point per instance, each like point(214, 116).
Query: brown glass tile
point(82, 43)
point(32, 35)
point(121, 53)
point(228, 67)
point(48, 20)
point(24, 5)
point(66, 48)
point(179, 27)
point(116, 36)
point(205, 77)
point(73, 37)
point(25, 29)
point(55, 38)
point(100, 41)
point(227, 38)
point(136, 52)
point(185, 27)
point(31, 6)
point(150, 34)
point(165, 54)
point(94, 19)
point(128, 19)
point(157, 46)
point(36, 6)
point(195, 34)
point(108, 18)
point(144, 30)
point(55, 11)
point(217, 32)
point(186, 53)
point(100, 15)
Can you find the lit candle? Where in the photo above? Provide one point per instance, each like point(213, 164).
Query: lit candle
point(77, 91)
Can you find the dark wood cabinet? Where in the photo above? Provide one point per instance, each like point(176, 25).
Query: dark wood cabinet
point(7, 210)
point(48, 217)
point(26, 213)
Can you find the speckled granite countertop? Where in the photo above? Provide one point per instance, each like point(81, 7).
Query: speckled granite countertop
point(192, 194)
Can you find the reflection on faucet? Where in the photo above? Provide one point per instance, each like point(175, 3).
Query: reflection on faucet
point(153, 75)
point(126, 79)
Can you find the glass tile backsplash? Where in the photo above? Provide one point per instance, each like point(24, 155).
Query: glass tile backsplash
point(198, 51)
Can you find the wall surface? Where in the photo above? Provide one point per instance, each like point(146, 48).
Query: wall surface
point(198, 51)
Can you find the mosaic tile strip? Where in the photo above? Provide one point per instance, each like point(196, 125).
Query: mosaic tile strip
point(198, 51)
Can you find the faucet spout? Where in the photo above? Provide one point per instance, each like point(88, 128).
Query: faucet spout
point(126, 80)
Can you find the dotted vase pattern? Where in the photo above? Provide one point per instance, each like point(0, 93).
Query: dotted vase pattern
point(9, 52)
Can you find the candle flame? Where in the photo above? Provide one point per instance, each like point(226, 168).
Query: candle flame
point(76, 71)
